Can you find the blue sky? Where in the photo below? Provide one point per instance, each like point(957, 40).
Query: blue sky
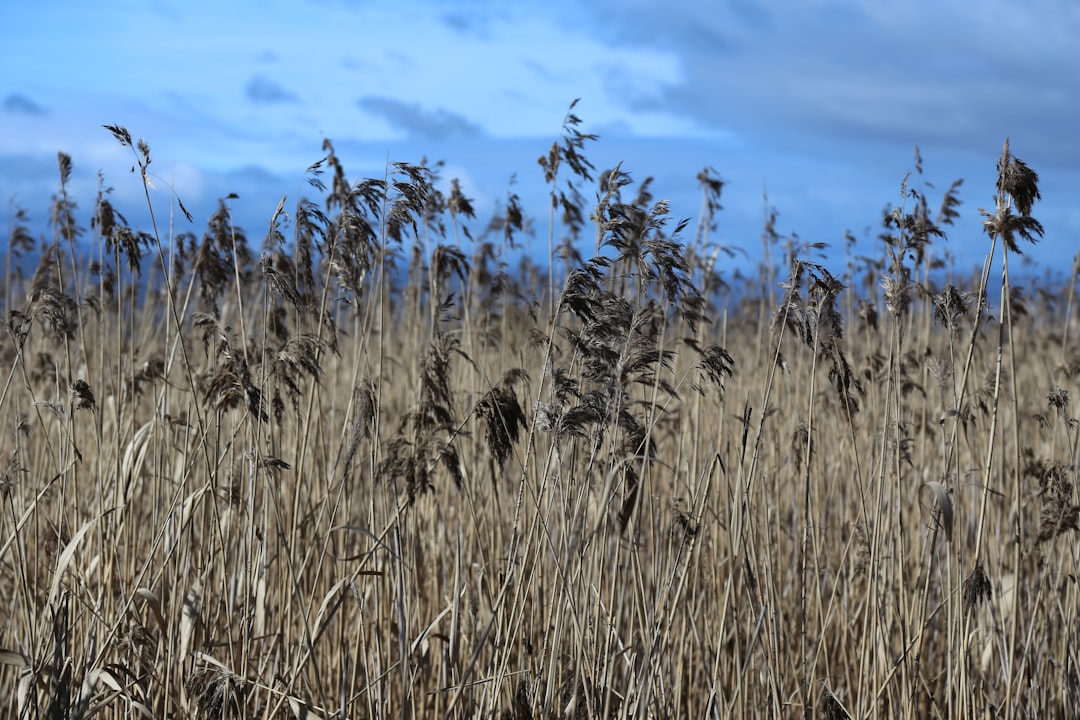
point(818, 102)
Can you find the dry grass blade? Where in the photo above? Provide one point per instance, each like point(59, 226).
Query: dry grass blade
point(304, 711)
point(134, 456)
point(191, 620)
point(68, 554)
point(27, 676)
point(155, 607)
point(325, 613)
point(15, 659)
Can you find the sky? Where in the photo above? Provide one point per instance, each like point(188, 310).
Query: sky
point(809, 107)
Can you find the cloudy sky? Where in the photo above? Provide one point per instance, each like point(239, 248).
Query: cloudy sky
point(819, 103)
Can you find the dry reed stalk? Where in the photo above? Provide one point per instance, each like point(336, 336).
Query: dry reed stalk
point(225, 544)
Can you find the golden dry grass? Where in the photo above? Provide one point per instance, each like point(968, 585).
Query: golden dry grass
point(368, 474)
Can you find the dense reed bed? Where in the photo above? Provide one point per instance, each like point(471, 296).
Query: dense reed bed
point(373, 465)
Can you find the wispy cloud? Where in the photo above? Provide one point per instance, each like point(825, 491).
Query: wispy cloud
point(261, 89)
point(858, 71)
point(22, 105)
point(415, 121)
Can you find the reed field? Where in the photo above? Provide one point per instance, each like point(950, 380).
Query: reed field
point(371, 460)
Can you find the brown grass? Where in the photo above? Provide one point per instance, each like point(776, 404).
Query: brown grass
point(373, 470)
